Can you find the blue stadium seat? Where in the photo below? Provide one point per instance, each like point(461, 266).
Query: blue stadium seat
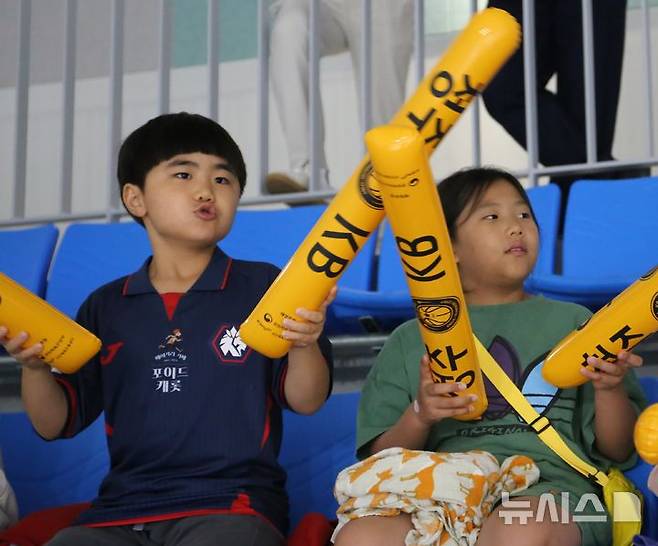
point(609, 240)
point(49, 474)
point(314, 450)
point(274, 236)
point(91, 255)
point(26, 255)
point(270, 235)
point(545, 201)
point(391, 303)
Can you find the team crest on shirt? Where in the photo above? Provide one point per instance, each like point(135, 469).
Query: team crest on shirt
point(170, 369)
point(228, 346)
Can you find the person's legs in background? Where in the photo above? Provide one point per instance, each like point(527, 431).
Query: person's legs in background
point(609, 30)
point(392, 30)
point(289, 70)
point(561, 115)
point(504, 98)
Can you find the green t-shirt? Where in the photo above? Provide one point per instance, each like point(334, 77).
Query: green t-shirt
point(519, 335)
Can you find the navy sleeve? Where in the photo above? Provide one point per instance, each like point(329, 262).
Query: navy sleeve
point(83, 389)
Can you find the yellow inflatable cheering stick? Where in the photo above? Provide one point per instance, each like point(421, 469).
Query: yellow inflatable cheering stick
point(67, 346)
point(421, 234)
point(623, 323)
point(465, 69)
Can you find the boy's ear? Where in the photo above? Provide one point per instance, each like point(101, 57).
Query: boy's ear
point(133, 199)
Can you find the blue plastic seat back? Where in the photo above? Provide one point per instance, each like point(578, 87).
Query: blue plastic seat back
point(314, 450)
point(545, 201)
point(92, 255)
point(48, 474)
point(26, 255)
point(274, 235)
point(610, 228)
point(270, 235)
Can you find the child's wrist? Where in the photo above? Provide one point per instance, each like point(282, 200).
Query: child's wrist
point(611, 393)
point(417, 417)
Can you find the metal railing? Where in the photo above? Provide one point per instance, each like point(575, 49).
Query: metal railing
point(113, 210)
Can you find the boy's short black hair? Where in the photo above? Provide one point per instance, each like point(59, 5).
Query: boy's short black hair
point(168, 135)
point(467, 186)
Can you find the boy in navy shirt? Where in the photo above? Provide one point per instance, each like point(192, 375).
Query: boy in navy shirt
point(193, 415)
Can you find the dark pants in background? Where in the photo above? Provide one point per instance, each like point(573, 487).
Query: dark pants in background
point(559, 51)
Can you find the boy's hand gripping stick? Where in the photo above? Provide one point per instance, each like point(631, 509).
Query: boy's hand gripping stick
point(67, 346)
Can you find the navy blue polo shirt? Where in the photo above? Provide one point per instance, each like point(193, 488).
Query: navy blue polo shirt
point(193, 415)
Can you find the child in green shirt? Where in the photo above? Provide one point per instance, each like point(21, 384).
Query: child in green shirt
point(495, 240)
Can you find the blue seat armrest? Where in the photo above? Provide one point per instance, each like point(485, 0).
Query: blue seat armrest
point(350, 298)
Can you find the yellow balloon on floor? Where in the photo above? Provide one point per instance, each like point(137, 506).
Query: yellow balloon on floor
point(623, 323)
point(67, 346)
point(412, 206)
point(465, 69)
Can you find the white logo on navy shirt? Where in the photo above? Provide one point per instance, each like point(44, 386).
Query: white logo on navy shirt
point(170, 370)
point(169, 378)
point(231, 344)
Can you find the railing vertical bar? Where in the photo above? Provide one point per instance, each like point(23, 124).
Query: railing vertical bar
point(263, 93)
point(116, 101)
point(164, 64)
point(213, 59)
point(590, 86)
point(314, 94)
point(419, 38)
point(68, 106)
point(366, 66)
point(530, 88)
point(22, 99)
point(476, 139)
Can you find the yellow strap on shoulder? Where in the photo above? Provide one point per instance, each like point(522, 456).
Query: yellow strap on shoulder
point(541, 425)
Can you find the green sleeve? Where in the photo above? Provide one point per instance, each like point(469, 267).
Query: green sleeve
point(386, 394)
point(639, 402)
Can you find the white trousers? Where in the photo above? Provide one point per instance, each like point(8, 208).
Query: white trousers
point(340, 30)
